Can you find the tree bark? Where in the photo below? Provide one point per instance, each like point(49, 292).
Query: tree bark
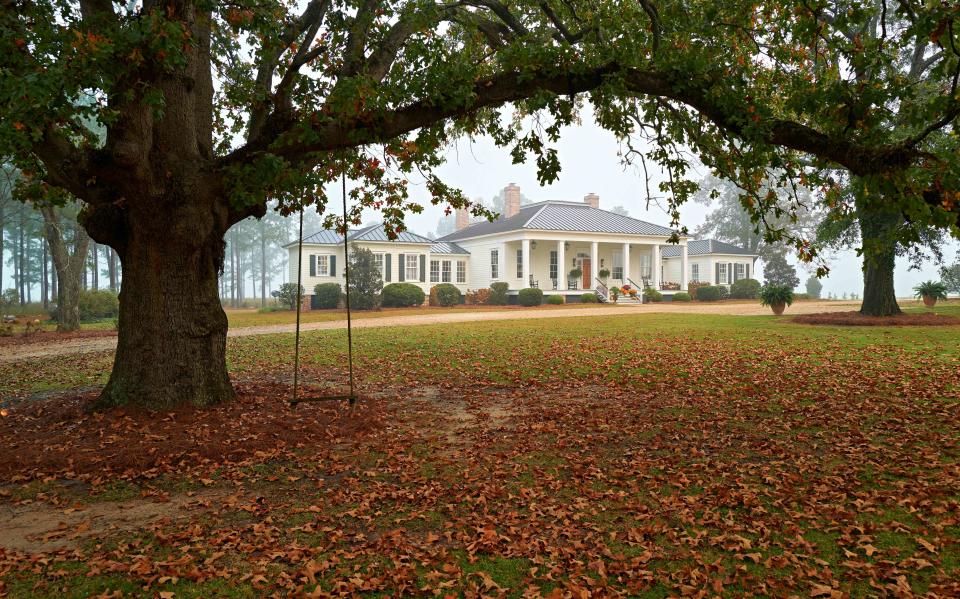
point(263, 263)
point(94, 267)
point(172, 331)
point(20, 250)
point(877, 230)
point(68, 267)
point(112, 269)
point(44, 289)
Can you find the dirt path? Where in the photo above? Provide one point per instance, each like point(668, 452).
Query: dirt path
point(41, 527)
point(98, 344)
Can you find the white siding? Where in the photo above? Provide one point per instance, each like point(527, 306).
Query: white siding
point(394, 249)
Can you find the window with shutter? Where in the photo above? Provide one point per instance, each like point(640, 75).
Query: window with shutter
point(494, 264)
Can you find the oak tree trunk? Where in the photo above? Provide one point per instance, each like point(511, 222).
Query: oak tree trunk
point(877, 230)
point(172, 330)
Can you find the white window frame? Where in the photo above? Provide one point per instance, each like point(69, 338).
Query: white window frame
point(724, 275)
point(446, 272)
point(494, 264)
point(434, 272)
point(519, 263)
point(461, 271)
point(554, 265)
point(695, 272)
point(739, 272)
point(323, 265)
point(378, 262)
point(412, 267)
point(646, 266)
point(617, 265)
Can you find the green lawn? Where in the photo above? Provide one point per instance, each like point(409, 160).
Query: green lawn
point(651, 455)
point(251, 317)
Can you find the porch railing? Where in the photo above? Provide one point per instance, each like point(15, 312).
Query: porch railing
point(603, 293)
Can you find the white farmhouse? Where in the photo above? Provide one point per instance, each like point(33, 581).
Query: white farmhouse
point(534, 245)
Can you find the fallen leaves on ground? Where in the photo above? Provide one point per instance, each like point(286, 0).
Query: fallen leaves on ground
point(704, 468)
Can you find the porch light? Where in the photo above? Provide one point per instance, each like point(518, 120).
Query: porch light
point(533, 245)
point(566, 245)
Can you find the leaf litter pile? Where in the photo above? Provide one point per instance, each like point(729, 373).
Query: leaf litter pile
point(682, 467)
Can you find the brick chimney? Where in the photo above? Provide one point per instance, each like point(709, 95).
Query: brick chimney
point(511, 202)
point(592, 199)
point(461, 218)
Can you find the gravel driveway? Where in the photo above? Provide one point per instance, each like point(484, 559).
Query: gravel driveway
point(97, 344)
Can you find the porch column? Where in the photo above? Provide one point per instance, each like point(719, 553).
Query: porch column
point(594, 263)
point(684, 267)
point(426, 277)
point(525, 263)
point(626, 263)
point(561, 266)
point(656, 266)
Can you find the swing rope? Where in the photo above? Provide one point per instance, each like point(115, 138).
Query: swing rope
point(352, 397)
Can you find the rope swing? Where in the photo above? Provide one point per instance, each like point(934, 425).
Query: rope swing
point(352, 397)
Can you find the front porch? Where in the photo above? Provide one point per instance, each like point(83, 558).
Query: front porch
point(573, 266)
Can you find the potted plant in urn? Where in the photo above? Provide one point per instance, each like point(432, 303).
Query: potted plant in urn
point(930, 292)
point(778, 297)
point(614, 293)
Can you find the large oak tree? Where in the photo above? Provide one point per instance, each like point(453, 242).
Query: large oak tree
point(213, 108)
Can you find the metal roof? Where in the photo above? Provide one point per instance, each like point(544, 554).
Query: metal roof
point(372, 232)
point(700, 247)
point(562, 216)
point(447, 247)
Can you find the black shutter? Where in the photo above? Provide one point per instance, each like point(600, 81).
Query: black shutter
point(313, 266)
point(746, 271)
point(333, 266)
point(401, 262)
point(386, 267)
point(423, 268)
point(717, 265)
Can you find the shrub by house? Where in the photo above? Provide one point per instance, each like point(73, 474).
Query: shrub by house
point(444, 294)
point(327, 296)
point(530, 297)
point(402, 295)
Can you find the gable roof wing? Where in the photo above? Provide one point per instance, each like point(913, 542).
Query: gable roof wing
point(447, 247)
point(562, 216)
point(702, 247)
point(372, 232)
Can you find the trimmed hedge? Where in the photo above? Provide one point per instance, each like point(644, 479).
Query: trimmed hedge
point(554, 299)
point(652, 295)
point(683, 296)
point(745, 289)
point(589, 298)
point(498, 294)
point(693, 286)
point(530, 297)
point(444, 294)
point(711, 293)
point(327, 295)
point(402, 295)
